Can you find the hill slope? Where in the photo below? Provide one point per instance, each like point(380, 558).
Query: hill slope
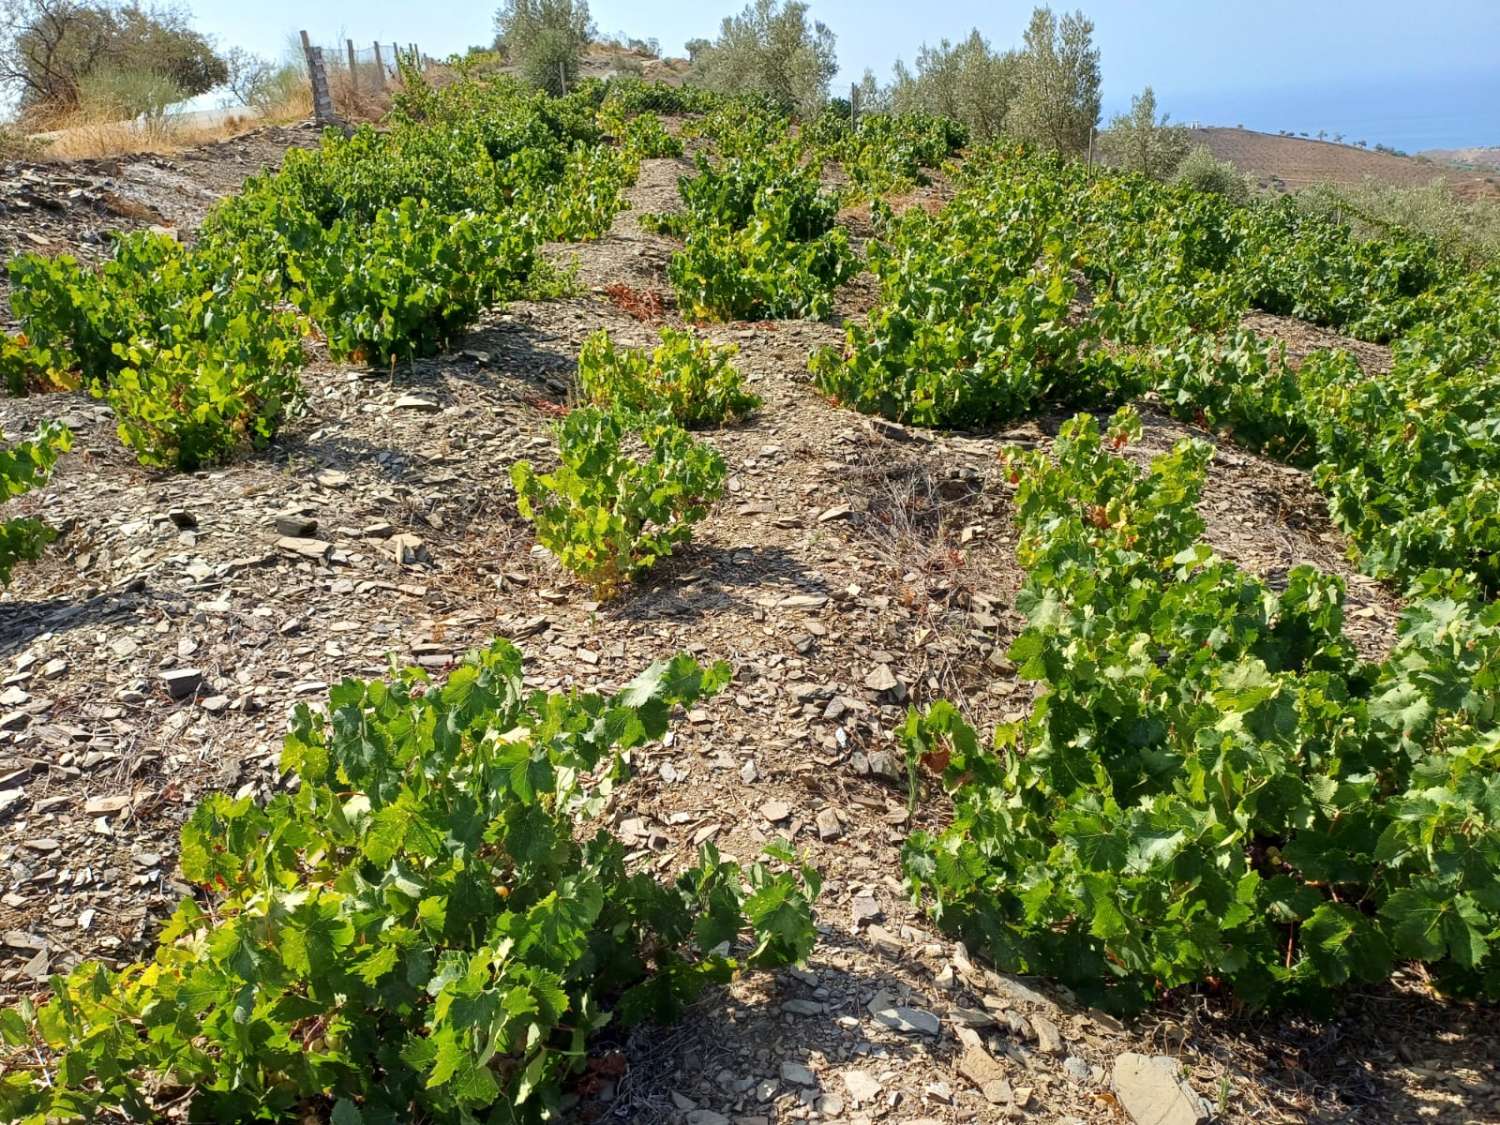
point(1295, 162)
point(1480, 159)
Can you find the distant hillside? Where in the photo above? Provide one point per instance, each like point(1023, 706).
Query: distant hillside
point(1475, 159)
point(1290, 163)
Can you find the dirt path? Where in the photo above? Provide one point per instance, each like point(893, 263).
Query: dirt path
point(847, 557)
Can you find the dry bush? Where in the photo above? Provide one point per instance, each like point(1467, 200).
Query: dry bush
point(1466, 228)
point(93, 132)
point(364, 96)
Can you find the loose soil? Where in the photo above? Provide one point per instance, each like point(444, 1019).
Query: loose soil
point(846, 548)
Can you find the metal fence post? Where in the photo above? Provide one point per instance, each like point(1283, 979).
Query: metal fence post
point(353, 70)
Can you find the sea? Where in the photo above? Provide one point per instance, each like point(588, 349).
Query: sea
point(1407, 113)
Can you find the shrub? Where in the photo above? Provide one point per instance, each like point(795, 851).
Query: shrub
point(67, 308)
point(17, 145)
point(1139, 141)
point(1202, 171)
point(691, 379)
point(609, 516)
point(152, 288)
point(185, 407)
point(546, 38)
point(644, 137)
point(758, 272)
point(1212, 787)
point(591, 192)
point(113, 93)
point(53, 50)
point(403, 284)
point(24, 466)
point(426, 928)
point(1467, 229)
point(24, 368)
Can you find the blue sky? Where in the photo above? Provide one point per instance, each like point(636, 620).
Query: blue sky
point(1415, 74)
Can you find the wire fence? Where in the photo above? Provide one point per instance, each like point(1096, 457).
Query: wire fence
point(351, 81)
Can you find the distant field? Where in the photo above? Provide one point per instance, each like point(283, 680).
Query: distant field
point(1295, 162)
point(1480, 159)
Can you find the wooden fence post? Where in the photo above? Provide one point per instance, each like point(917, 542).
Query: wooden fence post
point(323, 112)
point(853, 105)
point(353, 70)
point(380, 66)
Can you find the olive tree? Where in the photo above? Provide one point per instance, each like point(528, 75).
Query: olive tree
point(546, 38)
point(966, 81)
point(1141, 142)
point(770, 48)
point(1057, 83)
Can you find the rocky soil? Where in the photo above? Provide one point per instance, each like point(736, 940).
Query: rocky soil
point(854, 566)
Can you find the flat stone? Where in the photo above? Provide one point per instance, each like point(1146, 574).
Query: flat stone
point(912, 1021)
point(881, 678)
point(863, 909)
point(215, 704)
point(775, 811)
point(407, 549)
point(971, 1017)
point(294, 526)
point(861, 1086)
point(418, 403)
point(829, 827)
point(182, 682)
point(332, 478)
point(802, 1007)
point(105, 806)
point(883, 764)
point(797, 1074)
point(977, 1065)
point(1152, 1093)
point(306, 548)
point(1017, 989)
point(803, 601)
point(1048, 1039)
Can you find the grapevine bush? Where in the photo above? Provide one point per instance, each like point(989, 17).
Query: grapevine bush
point(760, 240)
point(610, 511)
point(23, 467)
point(1039, 286)
point(390, 242)
point(431, 926)
point(187, 408)
point(693, 380)
point(1212, 786)
point(408, 281)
